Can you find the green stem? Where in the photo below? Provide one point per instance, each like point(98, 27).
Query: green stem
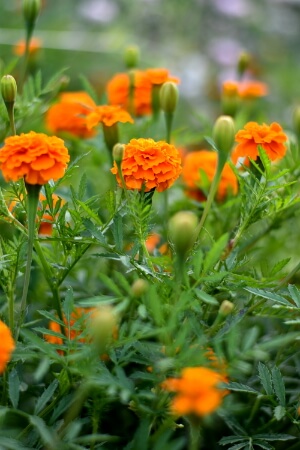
point(10, 112)
point(169, 122)
point(195, 434)
point(33, 191)
point(288, 277)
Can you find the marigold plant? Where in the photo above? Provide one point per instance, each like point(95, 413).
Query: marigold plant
point(34, 46)
point(149, 164)
point(35, 156)
point(108, 115)
point(270, 137)
point(159, 76)
point(7, 345)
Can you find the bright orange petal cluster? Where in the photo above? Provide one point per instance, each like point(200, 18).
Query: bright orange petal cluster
point(196, 391)
point(149, 164)
point(159, 76)
point(270, 137)
point(108, 115)
point(246, 89)
point(69, 114)
point(34, 45)
point(35, 156)
point(206, 161)
point(7, 345)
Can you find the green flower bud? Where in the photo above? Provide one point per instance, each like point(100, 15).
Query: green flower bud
point(226, 308)
point(131, 56)
point(139, 287)
point(103, 326)
point(168, 97)
point(8, 89)
point(118, 153)
point(31, 9)
point(243, 62)
point(296, 120)
point(183, 231)
point(224, 133)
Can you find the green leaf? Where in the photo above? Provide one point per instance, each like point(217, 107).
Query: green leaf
point(14, 388)
point(279, 412)
point(215, 253)
point(270, 296)
point(263, 445)
point(238, 387)
point(94, 231)
point(295, 294)
point(89, 88)
point(279, 266)
point(117, 231)
point(265, 378)
point(232, 439)
point(45, 397)
point(205, 297)
point(278, 384)
point(231, 322)
point(239, 446)
point(48, 437)
point(274, 437)
point(54, 82)
point(68, 304)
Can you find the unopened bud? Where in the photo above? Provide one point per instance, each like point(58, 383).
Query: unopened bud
point(226, 308)
point(118, 153)
point(168, 96)
point(296, 120)
point(103, 325)
point(31, 9)
point(139, 287)
point(230, 98)
point(131, 56)
point(182, 231)
point(243, 62)
point(8, 89)
point(223, 134)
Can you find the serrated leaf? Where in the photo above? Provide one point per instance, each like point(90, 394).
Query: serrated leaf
point(279, 266)
point(295, 294)
point(270, 296)
point(263, 445)
point(47, 436)
point(45, 397)
point(94, 231)
point(215, 253)
point(232, 439)
point(231, 322)
point(239, 446)
point(54, 82)
point(238, 387)
point(117, 231)
point(279, 412)
point(14, 388)
point(278, 384)
point(265, 378)
point(274, 437)
point(232, 424)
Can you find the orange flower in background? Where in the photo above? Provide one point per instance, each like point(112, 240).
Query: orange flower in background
point(118, 92)
point(35, 156)
point(154, 165)
point(34, 46)
point(206, 161)
point(196, 391)
point(69, 114)
point(252, 89)
point(270, 137)
point(7, 346)
point(230, 88)
point(108, 115)
point(153, 242)
point(47, 219)
point(159, 76)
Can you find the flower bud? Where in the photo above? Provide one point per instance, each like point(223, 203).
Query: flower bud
point(8, 89)
point(183, 231)
point(31, 9)
point(226, 308)
point(243, 62)
point(103, 325)
point(296, 120)
point(168, 96)
point(223, 134)
point(139, 287)
point(131, 56)
point(118, 153)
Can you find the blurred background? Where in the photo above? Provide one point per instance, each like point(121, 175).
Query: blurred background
point(197, 40)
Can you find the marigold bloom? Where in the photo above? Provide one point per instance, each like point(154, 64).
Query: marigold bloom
point(35, 156)
point(108, 115)
point(270, 137)
point(118, 90)
point(252, 89)
point(7, 345)
point(150, 164)
point(206, 161)
point(69, 114)
point(34, 46)
point(159, 76)
point(230, 88)
point(196, 391)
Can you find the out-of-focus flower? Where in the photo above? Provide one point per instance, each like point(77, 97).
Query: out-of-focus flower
point(34, 46)
point(7, 346)
point(158, 76)
point(246, 89)
point(35, 156)
point(206, 161)
point(270, 137)
point(153, 242)
point(148, 165)
point(132, 92)
point(196, 391)
point(108, 115)
point(69, 114)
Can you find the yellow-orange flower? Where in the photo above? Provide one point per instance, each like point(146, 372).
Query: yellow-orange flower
point(108, 115)
point(196, 391)
point(159, 76)
point(35, 156)
point(246, 89)
point(230, 88)
point(149, 164)
point(34, 46)
point(7, 345)
point(270, 137)
point(118, 92)
point(69, 114)
point(206, 161)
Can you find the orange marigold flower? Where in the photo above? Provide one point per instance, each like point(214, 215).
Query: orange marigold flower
point(118, 89)
point(35, 156)
point(47, 220)
point(154, 165)
point(34, 46)
point(108, 115)
point(270, 137)
point(206, 161)
point(196, 391)
point(7, 345)
point(252, 89)
point(159, 76)
point(230, 88)
point(69, 114)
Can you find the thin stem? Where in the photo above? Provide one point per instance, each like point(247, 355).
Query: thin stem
point(169, 122)
point(195, 434)
point(288, 277)
point(10, 112)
